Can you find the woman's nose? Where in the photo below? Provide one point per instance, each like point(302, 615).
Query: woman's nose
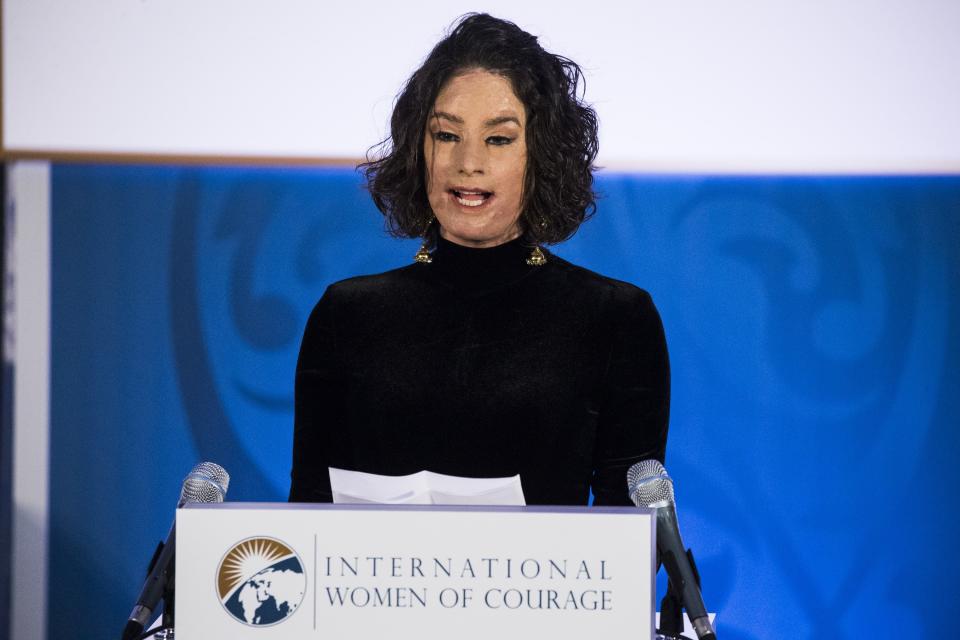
point(471, 157)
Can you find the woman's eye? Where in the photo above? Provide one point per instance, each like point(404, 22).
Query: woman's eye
point(499, 140)
point(445, 136)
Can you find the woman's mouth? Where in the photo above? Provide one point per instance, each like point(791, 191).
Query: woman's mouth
point(471, 198)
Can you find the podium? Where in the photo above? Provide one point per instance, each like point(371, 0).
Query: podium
point(278, 571)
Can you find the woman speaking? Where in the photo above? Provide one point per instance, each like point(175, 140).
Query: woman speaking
point(488, 356)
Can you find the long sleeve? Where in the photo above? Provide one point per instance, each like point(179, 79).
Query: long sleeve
point(318, 406)
point(635, 409)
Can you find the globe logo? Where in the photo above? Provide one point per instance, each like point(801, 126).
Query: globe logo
point(261, 581)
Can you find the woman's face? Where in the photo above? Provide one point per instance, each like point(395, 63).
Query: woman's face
point(476, 156)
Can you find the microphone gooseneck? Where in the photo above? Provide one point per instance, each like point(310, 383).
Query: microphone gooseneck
point(650, 486)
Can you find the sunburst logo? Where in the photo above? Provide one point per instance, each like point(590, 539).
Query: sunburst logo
point(261, 581)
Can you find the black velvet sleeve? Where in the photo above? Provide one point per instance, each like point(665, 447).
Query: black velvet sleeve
point(402, 371)
point(318, 405)
point(635, 409)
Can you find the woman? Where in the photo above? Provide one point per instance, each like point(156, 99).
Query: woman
point(488, 356)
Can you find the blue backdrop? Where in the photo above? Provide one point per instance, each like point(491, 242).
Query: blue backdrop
point(811, 324)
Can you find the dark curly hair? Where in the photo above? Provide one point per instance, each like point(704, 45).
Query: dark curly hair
point(561, 134)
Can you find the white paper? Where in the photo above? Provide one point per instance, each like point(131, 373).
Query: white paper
point(423, 487)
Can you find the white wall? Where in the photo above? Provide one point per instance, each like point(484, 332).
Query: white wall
point(697, 85)
point(27, 273)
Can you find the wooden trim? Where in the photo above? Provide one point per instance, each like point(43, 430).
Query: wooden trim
point(614, 167)
point(106, 157)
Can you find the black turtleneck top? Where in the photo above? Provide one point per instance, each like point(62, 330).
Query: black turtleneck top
point(480, 365)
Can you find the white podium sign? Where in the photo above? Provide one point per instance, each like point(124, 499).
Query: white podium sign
point(279, 571)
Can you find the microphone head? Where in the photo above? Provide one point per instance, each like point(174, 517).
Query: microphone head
point(649, 485)
point(215, 472)
point(207, 482)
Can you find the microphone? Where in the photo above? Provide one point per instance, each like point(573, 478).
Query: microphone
point(650, 486)
point(206, 483)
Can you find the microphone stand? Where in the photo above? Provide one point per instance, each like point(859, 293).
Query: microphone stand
point(165, 631)
point(671, 613)
point(168, 598)
point(166, 622)
point(671, 607)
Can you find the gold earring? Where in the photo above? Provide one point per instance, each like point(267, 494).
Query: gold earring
point(422, 255)
point(536, 258)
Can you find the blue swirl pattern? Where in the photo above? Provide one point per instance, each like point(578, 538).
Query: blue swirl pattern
point(811, 323)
